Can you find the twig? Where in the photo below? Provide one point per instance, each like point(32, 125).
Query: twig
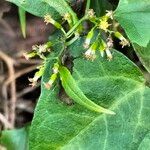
point(32, 61)
point(27, 90)
point(5, 122)
point(10, 64)
point(20, 73)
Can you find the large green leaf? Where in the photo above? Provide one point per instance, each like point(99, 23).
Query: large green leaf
point(134, 17)
point(40, 8)
point(118, 85)
point(144, 55)
point(16, 139)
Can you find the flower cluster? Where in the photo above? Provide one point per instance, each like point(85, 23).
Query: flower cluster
point(38, 50)
point(104, 40)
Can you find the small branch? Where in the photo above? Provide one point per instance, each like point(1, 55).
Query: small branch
point(5, 122)
point(10, 64)
point(20, 73)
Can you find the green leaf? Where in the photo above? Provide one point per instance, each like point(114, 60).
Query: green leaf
point(144, 55)
point(118, 85)
point(100, 6)
point(74, 92)
point(133, 15)
point(55, 8)
point(22, 17)
point(16, 139)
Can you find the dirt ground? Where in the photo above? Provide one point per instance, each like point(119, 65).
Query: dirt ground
point(17, 98)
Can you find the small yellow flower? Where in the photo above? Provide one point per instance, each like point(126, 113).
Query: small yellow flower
point(67, 16)
point(104, 25)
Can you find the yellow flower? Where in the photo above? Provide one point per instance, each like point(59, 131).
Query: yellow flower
point(104, 25)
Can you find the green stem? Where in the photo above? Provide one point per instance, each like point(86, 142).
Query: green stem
point(73, 14)
point(87, 5)
point(75, 26)
point(22, 17)
point(62, 29)
point(72, 40)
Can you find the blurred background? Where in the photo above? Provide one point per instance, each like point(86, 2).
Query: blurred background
point(17, 98)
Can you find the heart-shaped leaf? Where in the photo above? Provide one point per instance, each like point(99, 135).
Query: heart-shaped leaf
point(118, 85)
point(134, 17)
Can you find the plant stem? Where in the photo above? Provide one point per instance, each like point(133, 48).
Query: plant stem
point(72, 40)
point(73, 14)
point(87, 5)
point(75, 26)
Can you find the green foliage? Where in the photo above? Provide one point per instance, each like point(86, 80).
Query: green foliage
point(42, 7)
point(119, 88)
point(22, 16)
point(90, 85)
point(74, 92)
point(15, 139)
point(133, 15)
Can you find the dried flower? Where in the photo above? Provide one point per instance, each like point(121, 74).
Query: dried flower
point(90, 54)
point(109, 14)
point(109, 42)
point(123, 40)
point(37, 75)
point(91, 13)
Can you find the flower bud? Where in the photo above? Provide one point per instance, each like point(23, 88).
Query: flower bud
point(37, 75)
point(91, 13)
point(102, 47)
point(48, 19)
point(52, 79)
point(108, 53)
point(123, 40)
point(29, 55)
point(90, 53)
point(55, 68)
point(68, 18)
point(109, 14)
point(88, 38)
